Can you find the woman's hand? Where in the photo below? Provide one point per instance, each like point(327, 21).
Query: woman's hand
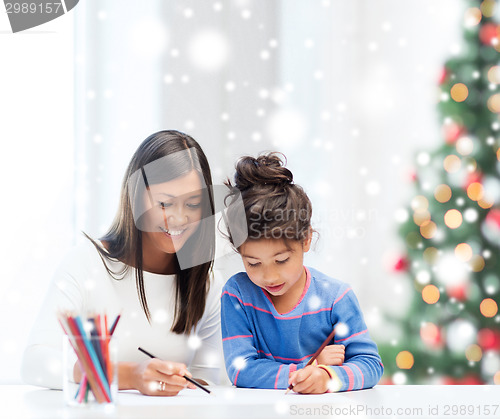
point(309, 380)
point(332, 355)
point(148, 376)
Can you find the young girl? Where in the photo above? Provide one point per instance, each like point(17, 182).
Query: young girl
point(154, 267)
point(278, 313)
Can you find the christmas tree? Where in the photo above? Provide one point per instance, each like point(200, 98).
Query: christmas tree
point(451, 333)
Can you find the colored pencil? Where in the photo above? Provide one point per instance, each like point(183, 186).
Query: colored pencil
point(92, 351)
point(101, 324)
point(185, 376)
point(71, 331)
point(316, 354)
point(103, 383)
point(113, 326)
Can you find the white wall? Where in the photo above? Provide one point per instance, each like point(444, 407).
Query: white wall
point(36, 173)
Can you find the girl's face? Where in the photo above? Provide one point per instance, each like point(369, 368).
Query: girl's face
point(176, 212)
point(274, 266)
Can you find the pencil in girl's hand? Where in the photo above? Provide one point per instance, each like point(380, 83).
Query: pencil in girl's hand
point(185, 376)
point(316, 354)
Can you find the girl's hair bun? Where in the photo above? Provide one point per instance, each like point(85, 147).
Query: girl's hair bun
point(267, 169)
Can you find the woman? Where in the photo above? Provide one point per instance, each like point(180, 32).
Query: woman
point(154, 266)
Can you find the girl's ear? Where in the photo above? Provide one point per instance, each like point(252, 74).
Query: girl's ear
point(306, 244)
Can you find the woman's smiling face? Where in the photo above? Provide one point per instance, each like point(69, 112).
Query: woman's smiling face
point(175, 214)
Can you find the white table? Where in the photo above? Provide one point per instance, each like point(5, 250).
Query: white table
point(18, 401)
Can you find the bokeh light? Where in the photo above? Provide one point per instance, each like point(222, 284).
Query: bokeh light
point(453, 218)
point(494, 74)
point(442, 193)
point(491, 185)
point(463, 252)
point(208, 50)
point(473, 353)
point(430, 294)
point(475, 191)
point(423, 277)
point(452, 163)
point(471, 215)
point(496, 378)
point(491, 284)
point(487, 338)
point(485, 204)
point(419, 203)
point(465, 145)
point(472, 17)
point(459, 92)
point(488, 34)
point(421, 217)
point(460, 334)
point(429, 333)
point(488, 8)
point(428, 230)
point(488, 307)
point(451, 130)
point(405, 360)
point(477, 263)
point(494, 103)
point(470, 164)
point(490, 363)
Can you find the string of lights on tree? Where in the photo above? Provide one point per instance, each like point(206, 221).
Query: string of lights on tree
point(451, 332)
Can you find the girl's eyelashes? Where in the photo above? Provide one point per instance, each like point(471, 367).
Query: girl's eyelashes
point(252, 265)
point(164, 204)
point(280, 262)
point(194, 206)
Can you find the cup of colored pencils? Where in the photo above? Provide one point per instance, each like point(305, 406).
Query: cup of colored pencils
point(88, 342)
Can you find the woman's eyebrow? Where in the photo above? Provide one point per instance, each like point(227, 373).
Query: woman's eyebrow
point(173, 196)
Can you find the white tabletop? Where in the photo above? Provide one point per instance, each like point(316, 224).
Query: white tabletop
point(18, 401)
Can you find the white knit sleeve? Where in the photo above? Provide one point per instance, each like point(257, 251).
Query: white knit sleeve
point(208, 360)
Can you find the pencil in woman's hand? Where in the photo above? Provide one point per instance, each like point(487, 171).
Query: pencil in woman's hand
point(316, 354)
point(185, 376)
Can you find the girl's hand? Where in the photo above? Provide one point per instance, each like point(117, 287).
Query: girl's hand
point(332, 355)
point(148, 376)
point(309, 380)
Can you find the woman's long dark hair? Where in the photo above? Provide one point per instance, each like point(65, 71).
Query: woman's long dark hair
point(124, 239)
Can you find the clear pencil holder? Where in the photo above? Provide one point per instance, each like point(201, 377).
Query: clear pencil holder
point(97, 360)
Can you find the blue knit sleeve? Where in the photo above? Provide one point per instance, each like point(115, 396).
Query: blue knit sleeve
point(363, 366)
point(243, 365)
